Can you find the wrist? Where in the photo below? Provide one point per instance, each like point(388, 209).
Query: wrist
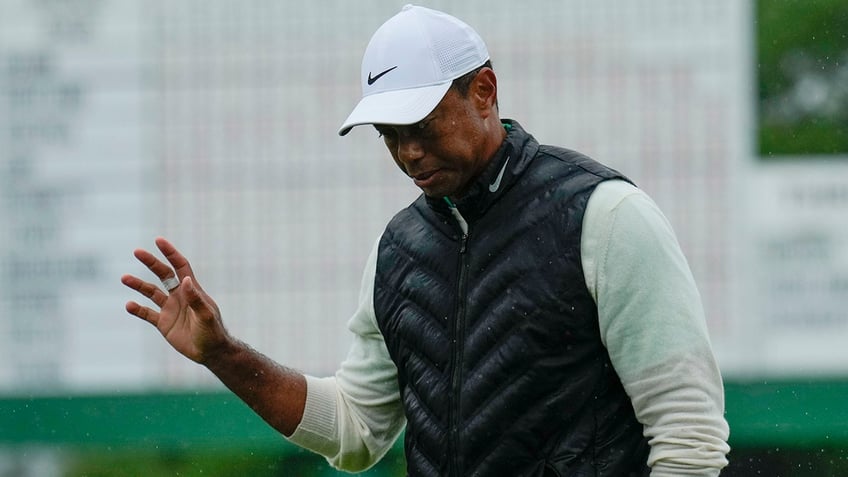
point(222, 354)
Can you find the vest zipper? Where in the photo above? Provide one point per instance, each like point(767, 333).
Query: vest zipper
point(455, 463)
point(463, 225)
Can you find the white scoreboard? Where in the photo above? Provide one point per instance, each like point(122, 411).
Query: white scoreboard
point(214, 124)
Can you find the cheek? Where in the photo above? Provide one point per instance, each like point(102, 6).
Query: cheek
point(393, 153)
point(391, 147)
point(399, 164)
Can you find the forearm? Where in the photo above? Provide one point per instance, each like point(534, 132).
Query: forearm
point(276, 393)
point(681, 404)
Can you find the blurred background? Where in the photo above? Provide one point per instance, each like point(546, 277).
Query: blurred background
point(213, 123)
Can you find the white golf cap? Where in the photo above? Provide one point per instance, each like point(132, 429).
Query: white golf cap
point(409, 65)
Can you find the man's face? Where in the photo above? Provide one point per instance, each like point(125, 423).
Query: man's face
point(443, 152)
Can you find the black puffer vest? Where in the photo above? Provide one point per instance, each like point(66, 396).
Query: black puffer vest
point(500, 364)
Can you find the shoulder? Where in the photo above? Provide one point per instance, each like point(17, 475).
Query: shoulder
point(610, 195)
point(623, 225)
point(576, 160)
point(620, 204)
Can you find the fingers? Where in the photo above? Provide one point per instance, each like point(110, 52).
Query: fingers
point(151, 291)
point(176, 259)
point(159, 268)
point(169, 275)
point(142, 312)
point(173, 274)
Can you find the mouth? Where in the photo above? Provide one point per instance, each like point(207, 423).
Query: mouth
point(425, 179)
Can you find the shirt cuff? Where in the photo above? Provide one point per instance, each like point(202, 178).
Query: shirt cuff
point(664, 471)
point(317, 430)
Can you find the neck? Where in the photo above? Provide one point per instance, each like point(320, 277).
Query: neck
point(495, 137)
point(492, 145)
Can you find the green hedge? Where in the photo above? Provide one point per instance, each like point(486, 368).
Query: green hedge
point(786, 427)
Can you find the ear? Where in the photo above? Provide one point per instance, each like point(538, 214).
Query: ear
point(484, 90)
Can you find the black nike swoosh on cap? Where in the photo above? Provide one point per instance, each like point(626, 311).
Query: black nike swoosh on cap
point(372, 80)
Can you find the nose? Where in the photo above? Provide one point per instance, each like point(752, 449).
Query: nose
point(409, 148)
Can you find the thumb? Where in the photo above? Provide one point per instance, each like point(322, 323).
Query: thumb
point(194, 298)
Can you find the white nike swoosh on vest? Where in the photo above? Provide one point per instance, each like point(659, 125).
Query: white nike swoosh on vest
point(493, 187)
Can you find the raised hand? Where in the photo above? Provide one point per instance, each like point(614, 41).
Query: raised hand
point(190, 321)
point(187, 316)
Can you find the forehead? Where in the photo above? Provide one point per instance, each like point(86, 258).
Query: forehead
point(449, 103)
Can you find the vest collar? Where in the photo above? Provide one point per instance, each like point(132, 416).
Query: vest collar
point(503, 170)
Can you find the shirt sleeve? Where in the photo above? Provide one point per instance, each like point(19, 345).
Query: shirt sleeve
point(652, 324)
point(354, 417)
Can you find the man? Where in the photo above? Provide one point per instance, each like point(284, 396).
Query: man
point(531, 314)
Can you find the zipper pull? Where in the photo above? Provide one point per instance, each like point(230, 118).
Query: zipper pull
point(463, 225)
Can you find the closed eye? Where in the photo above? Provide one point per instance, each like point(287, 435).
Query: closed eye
point(383, 131)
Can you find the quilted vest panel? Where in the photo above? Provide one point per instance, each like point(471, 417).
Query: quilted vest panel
point(501, 368)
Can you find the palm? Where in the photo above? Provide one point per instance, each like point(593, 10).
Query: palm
point(178, 323)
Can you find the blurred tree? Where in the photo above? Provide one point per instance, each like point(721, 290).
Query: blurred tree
point(803, 76)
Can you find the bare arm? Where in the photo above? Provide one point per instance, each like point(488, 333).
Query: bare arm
point(190, 321)
point(274, 392)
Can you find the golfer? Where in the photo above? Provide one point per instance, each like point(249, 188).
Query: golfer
point(530, 314)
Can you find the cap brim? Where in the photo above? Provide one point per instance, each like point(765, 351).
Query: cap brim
point(398, 107)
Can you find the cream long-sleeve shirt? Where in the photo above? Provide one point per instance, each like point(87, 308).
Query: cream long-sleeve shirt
point(651, 321)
